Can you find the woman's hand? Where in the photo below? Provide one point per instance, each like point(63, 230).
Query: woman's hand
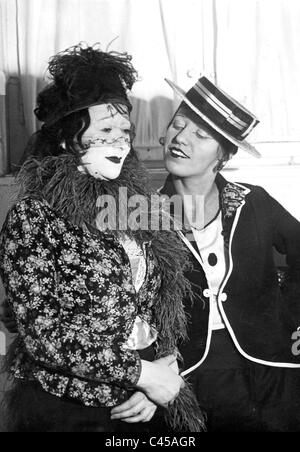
point(7, 317)
point(160, 381)
point(137, 409)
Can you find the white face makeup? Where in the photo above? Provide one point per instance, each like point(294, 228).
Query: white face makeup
point(107, 141)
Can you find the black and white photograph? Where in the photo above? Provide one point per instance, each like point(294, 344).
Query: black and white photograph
point(149, 218)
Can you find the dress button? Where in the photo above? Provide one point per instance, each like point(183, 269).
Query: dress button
point(206, 293)
point(223, 297)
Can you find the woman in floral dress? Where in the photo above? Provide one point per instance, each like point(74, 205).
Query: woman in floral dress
point(98, 306)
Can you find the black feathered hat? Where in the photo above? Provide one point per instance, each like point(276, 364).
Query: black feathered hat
point(81, 77)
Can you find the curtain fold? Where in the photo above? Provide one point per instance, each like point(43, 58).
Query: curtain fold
point(257, 60)
point(4, 156)
point(249, 47)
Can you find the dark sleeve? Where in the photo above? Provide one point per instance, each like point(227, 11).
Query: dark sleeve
point(73, 345)
point(286, 234)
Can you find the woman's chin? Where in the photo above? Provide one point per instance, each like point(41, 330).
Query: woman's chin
point(176, 167)
point(111, 178)
point(113, 175)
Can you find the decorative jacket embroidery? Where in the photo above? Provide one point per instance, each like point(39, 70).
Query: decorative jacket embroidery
point(232, 197)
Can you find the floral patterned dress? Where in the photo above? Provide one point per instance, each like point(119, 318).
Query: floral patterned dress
point(75, 305)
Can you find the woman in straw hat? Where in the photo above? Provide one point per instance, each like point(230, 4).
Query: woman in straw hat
point(243, 354)
point(98, 309)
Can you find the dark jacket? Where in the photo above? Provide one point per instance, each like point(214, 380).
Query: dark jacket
point(260, 316)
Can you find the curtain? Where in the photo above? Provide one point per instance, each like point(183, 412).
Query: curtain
point(249, 47)
point(258, 61)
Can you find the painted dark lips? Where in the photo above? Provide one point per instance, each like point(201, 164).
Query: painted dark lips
point(177, 153)
point(114, 159)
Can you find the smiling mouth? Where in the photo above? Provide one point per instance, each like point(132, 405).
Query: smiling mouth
point(177, 153)
point(116, 160)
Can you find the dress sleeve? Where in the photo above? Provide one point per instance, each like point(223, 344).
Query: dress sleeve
point(286, 236)
point(68, 345)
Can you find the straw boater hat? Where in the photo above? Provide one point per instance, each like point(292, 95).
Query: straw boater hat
point(220, 111)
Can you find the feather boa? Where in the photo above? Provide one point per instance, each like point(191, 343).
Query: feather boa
point(74, 195)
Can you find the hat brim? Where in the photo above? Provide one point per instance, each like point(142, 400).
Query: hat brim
point(241, 144)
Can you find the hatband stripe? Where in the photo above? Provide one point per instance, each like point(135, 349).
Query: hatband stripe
point(203, 90)
point(250, 128)
point(208, 95)
point(219, 110)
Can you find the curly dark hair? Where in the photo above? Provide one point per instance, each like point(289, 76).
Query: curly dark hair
point(80, 76)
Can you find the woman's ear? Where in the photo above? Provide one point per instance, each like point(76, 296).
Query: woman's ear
point(222, 159)
point(221, 154)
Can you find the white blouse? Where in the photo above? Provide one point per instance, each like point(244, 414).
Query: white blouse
point(142, 335)
point(210, 243)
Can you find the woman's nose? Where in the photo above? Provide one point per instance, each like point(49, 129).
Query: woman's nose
point(181, 136)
